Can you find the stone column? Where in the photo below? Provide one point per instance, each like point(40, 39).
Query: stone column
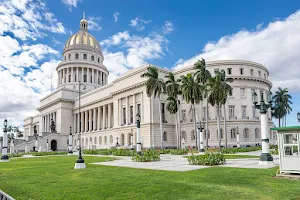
point(90, 120)
point(134, 108)
point(82, 121)
point(94, 119)
point(72, 75)
point(58, 75)
point(74, 126)
point(77, 74)
point(104, 116)
point(77, 122)
point(101, 78)
point(67, 79)
point(61, 76)
point(120, 111)
point(99, 119)
point(82, 74)
point(142, 107)
point(88, 75)
point(127, 110)
point(97, 77)
point(93, 76)
point(109, 116)
point(46, 123)
point(86, 121)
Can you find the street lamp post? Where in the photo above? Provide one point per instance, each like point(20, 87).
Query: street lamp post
point(70, 142)
point(79, 162)
point(265, 158)
point(138, 135)
point(47, 145)
point(237, 137)
point(4, 157)
point(36, 143)
point(201, 137)
point(117, 142)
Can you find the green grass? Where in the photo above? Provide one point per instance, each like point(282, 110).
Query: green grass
point(232, 156)
point(54, 178)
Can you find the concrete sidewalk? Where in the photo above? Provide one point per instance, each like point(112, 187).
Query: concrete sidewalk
point(179, 163)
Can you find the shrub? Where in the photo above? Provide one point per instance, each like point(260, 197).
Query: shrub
point(147, 156)
point(123, 152)
point(14, 155)
point(179, 151)
point(240, 149)
point(49, 153)
point(207, 159)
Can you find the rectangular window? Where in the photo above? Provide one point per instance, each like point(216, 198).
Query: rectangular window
point(69, 78)
point(131, 114)
point(231, 111)
point(91, 79)
point(139, 109)
point(259, 74)
point(241, 71)
point(243, 108)
point(242, 92)
point(183, 115)
point(124, 115)
point(229, 70)
point(216, 70)
point(102, 79)
point(230, 92)
point(265, 76)
point(84, 78)
point(163, 113)
point(251, 72)
point(75, 77)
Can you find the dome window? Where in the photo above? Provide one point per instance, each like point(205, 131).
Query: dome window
point(84, 56)
point(69, 56)
point(93, 58)
point(65, 58)
point(77, 56)
point(98, 60)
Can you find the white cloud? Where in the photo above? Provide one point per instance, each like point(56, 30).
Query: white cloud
point(168, 27)
point(116, 16)
point(28, 19)
point(276, 46)
point(71, 3)
point(116, 39)
point(94, 23)
point(139, 23)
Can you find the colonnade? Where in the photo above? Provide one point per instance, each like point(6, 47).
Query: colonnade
point(82, 74)
point(47, 121)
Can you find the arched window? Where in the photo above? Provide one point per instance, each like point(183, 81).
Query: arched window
point(246, 133)
point(95, 140)
point(100, 140)
point(84, 56)
point(111, 140)
point(105, 139)
point(129, 138)
point(93, 58)
point(65, 58)
point(192, 135)
point(256, 131)
point(165, 136)
point(183, 135)
point(69, 56)
point(98, 60)
point(232, 133)
point(77, 56)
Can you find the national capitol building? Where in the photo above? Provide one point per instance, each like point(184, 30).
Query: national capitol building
point(107, 114)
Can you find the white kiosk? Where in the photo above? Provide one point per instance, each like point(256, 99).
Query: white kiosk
point(288, 149)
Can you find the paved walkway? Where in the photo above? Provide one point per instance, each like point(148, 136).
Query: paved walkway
point(179, 163)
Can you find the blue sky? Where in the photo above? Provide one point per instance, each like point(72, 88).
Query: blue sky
point(169, 34)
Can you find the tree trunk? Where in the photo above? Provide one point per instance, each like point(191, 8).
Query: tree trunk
point(279, 121)
point(176, 118)
point(285, 120)
point(219, 128)
point(160, 123)
point(225, 127)
point(206, 124)
point(194, 119)
point(179, 126)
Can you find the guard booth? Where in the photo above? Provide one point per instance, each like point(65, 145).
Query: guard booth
point(288, 148)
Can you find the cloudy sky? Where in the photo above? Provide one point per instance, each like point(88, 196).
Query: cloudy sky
point(133, 33)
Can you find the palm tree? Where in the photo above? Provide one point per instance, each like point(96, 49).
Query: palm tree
point(192, 93)
point(282, 101)
point(155, 86)
point(173, 90)
point(172, 107)
point(202, 75)
point(219, 90)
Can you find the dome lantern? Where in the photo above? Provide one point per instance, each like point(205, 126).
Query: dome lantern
point(84, 23)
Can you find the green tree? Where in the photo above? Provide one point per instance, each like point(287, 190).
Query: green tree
point(173, 91)
point(192, 92)
point(155, 87)
point(218, 93)
point(202, 75)
point(282, 101)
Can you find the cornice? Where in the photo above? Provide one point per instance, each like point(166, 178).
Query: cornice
point(55, 102)
point(77, 63)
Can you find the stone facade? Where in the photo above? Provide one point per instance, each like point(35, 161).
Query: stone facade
point(107, 112)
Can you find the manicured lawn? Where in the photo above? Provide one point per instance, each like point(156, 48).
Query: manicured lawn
point(231, 156)
point(54, 178)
